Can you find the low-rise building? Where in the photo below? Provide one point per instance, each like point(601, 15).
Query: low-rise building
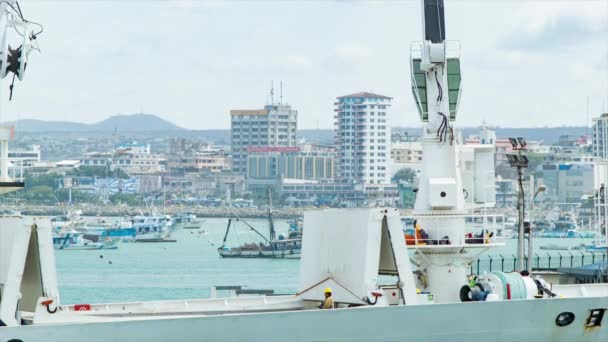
point(103, 159)
point(408, 152)
point(567, 183)
point(193, 161)
point(24, 158)
point(274, 163)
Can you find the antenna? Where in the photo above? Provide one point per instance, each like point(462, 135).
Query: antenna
point(281, 93)
point(271, 92)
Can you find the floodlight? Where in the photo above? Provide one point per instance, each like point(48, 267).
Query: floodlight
point(513, 160)
point(513, 142)
point(522, 142)
point(524, 161)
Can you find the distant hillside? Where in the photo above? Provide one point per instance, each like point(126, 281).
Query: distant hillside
point(123, 123)
point(31, 125)
point(139, 122)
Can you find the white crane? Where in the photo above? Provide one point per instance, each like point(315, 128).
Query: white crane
point(13, 60)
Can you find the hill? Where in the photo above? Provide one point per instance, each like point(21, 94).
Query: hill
point(123, 123)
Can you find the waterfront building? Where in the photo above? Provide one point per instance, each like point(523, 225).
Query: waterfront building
point(362, 137)
point(103, 159)
point(192, 161)
point(600, 137)
point(273, 126)
point(24, 157)
point(133, 161)
point(567, 183)
point(280, 163)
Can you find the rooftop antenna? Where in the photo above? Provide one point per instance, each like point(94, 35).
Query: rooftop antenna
point(271, 92)
point(281, 93)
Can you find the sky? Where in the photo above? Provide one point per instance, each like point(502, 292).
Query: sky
point(525, 63)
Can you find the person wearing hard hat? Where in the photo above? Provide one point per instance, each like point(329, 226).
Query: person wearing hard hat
point(328, 302)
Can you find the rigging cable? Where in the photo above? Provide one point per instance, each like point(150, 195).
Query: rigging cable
point(440, 95)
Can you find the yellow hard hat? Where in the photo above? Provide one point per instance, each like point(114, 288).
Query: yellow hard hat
point(327, 290)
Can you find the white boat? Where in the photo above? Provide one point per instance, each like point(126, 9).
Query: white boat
point(187, 221)
point(73, 240)
point(156, 228)
point(556, 247)
point(71, 219)
point(359, 253)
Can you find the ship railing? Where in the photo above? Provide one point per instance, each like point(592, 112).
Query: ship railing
point(549, 261)
point(474, 234)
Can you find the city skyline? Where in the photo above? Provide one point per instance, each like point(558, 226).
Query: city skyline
point(535, 69)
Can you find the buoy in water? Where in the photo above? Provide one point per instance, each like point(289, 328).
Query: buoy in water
point(110, 262)
point(100, 256)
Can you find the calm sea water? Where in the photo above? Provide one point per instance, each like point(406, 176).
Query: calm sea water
point(187, 268)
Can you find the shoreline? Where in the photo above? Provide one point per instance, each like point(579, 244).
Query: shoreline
point(118, 210)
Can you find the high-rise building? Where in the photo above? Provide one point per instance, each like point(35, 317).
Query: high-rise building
point(362, 137)
point(273, 126)
point(600, 136)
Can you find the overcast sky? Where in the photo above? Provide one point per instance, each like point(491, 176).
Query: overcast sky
point(525, 63)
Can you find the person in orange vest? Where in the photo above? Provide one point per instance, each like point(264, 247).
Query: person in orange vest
point(421, 235)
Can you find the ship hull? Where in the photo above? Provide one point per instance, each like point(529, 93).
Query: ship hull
point(518, 320)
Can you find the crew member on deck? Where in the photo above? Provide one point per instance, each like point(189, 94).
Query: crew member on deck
point(328, 302)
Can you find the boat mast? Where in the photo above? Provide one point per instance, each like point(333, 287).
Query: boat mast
point(270, 221)
point(226, 235)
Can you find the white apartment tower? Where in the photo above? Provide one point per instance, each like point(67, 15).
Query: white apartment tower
point(273, 126)
point(363, 138)
point(600, 136)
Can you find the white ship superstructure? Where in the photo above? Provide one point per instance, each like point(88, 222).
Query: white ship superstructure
point(380, 293)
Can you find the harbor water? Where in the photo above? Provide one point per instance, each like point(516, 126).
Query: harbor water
point(187, 268)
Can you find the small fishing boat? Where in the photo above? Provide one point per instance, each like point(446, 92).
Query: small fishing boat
point(286, 247)
point(73, 240)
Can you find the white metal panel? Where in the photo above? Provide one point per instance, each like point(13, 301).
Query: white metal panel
point(46, 252)
point(8, 230)
point(12, 284)
point(342, 244)
point(399, 249)
point(485, 178)
point(443, 193)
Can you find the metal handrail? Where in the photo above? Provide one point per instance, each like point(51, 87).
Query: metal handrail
point(543, 263)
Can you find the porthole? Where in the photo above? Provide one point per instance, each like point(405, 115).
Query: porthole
point(442, 194)
point(564, 318)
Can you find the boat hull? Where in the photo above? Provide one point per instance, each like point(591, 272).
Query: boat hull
point(518, 320)
point(280, 254)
